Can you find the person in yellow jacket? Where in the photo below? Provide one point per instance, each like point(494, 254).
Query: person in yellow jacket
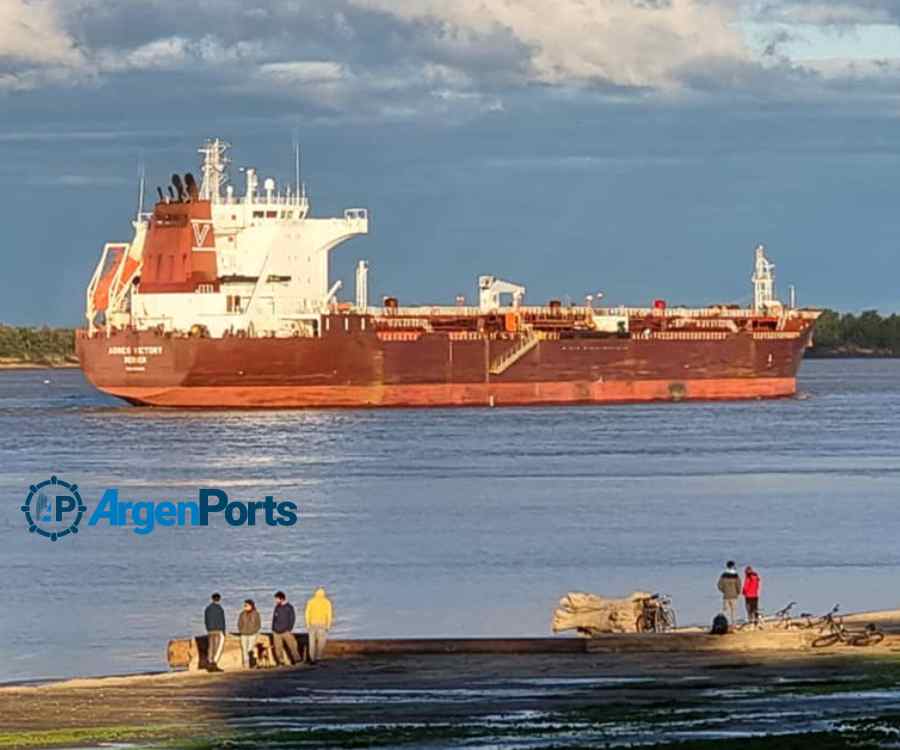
point(319, 614)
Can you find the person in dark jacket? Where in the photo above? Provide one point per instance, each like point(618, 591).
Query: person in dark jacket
point(730, 586)
point(248, 626)
point(283, 619)
point(752, 585)
point(214, 619)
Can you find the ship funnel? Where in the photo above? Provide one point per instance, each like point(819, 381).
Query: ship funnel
point(191, 185)
point(179, 188)
point(161, 196)
point(171, 192)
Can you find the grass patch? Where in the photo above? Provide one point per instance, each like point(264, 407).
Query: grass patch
point(83, 736)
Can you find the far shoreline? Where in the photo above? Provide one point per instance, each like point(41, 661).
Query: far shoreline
point(849, 354)
point(27, 365)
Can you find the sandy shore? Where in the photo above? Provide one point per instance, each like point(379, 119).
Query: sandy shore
point(480, 700)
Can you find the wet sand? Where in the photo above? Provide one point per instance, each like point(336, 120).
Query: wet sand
point(480, 700)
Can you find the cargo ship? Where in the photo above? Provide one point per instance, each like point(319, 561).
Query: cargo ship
point(224, 300)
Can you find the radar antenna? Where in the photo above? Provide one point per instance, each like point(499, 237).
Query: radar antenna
point(214, 169)
point(763, 281)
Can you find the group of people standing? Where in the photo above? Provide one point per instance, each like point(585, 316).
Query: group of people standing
point(319, 615)
point(732, 589)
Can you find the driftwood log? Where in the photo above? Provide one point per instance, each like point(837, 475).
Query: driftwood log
point(590, 614)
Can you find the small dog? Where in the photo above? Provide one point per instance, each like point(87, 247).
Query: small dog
point(265, 658)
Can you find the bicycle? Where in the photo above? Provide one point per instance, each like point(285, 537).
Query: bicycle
point(657, 615)
point(809, 621)
point(838, 633)
point(781, 619)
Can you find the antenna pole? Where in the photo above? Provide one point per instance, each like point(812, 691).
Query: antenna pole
point(297, 165)
point(142, 174)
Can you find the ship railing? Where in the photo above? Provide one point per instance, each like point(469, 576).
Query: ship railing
point(428, 311)
point(710, 324)
point(705, 313)
point(525, 344)
point(568, 312)
point(392, 322)
point(262, 201)
point(688, 335)
point(777, 334)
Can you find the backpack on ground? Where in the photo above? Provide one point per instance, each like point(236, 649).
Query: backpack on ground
point(719, 625)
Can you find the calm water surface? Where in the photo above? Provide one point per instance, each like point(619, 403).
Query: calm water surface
point(447, 522)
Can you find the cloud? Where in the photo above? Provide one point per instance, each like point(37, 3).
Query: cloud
point(75, 181)
point(486, 44)
point(395, 59)
point(303, 71)
point(31, 33)
point(635, 43)
point(35, 48)
point(175, 53)
point(825, 13)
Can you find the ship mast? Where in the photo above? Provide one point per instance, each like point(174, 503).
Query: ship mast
point(215, 169)
point(763, 281)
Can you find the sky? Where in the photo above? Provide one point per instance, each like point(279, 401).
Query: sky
point(638, 148)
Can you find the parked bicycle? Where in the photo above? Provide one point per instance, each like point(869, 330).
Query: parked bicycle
point(809, 621)
point(657, 615)
point(835, 632)
point(781, 620)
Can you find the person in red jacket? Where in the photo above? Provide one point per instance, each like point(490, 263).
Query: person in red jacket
point(751, 594)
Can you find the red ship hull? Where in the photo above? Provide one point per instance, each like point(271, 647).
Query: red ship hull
point(352, 366)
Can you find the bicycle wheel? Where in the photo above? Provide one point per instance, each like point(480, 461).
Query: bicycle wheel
point(824, 641)
point(671, 619)
point(867, 639)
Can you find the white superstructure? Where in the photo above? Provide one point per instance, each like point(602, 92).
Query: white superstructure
point(272, 260)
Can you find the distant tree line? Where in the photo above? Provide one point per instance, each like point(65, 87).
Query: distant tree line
point(866, 334)
point(37, 345)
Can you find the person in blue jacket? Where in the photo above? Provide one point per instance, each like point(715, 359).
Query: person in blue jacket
point(214, 619)
point(283, 619)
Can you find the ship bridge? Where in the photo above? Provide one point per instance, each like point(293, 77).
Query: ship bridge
point(254, 263)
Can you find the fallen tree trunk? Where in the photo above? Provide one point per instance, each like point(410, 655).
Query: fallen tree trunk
point(590, 615)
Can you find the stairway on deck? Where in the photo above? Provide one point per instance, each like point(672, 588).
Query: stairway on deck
point(506, 360)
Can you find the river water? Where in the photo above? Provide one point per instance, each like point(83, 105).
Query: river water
point(469, 522)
